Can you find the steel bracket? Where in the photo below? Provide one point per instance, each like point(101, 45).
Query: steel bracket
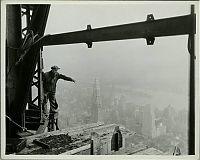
point(150, 40)
point(190, 47)
point(89, 44)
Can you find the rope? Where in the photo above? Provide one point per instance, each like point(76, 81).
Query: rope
point(24, 48)
point(23, 128)
point(29, 41)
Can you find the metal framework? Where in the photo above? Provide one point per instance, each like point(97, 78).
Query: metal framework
point(34, 103)
point(29, 55)
point(149, 29)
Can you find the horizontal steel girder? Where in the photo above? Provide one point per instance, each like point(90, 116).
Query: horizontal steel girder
point(156, 28)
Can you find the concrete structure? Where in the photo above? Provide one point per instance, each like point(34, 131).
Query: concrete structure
point(139, 149)
point(95, 139)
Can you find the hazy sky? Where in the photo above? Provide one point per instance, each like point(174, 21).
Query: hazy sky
point(162, 67)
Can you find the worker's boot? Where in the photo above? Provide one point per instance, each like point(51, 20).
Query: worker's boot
point(44, 118)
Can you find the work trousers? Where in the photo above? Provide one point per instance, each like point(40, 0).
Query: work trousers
point(53, 104)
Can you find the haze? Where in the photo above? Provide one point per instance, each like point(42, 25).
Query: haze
point(160, 70)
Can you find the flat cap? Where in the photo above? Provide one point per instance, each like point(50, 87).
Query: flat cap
point(55, 67)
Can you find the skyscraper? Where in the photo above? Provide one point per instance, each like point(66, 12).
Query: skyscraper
point(148, 125)
point(96, 109)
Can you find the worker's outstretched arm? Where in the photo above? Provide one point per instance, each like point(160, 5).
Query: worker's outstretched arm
point(61, 76)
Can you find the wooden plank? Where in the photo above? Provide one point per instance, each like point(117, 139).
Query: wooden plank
point(32, 119)
point(77, 150)
point(14, 145)
point(42, 144)
point(32, 112)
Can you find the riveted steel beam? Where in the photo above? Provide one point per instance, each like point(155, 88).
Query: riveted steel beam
point(156, 28)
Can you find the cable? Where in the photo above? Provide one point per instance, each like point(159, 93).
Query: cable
point(23, 128)
point(28, 42)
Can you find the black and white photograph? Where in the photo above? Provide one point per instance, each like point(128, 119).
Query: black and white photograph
point(112, 78)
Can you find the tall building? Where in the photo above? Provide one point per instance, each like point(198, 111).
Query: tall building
point(148, 125)
point(160, 127)
point(96, 109)
point(121, 106)
point(169, 116)
point(138, 117)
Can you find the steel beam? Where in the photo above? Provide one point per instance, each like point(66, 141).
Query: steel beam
point(191, 49)
point(156, 28)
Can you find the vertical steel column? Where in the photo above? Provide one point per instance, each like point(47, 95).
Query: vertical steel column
point(191, 49)
point(28, 16)
point(40, 84)
point(28, 19)
point(91, 147)
point(14, 39)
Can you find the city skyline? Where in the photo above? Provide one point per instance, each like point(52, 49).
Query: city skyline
point(161, 69)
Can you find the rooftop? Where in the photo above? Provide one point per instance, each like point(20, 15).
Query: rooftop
point(59, 142)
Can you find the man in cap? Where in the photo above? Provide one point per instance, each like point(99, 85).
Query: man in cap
point(49, 85)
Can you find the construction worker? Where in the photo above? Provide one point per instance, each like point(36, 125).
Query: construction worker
point(49, 85)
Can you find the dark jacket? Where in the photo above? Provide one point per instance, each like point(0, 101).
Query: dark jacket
point(50, 80)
